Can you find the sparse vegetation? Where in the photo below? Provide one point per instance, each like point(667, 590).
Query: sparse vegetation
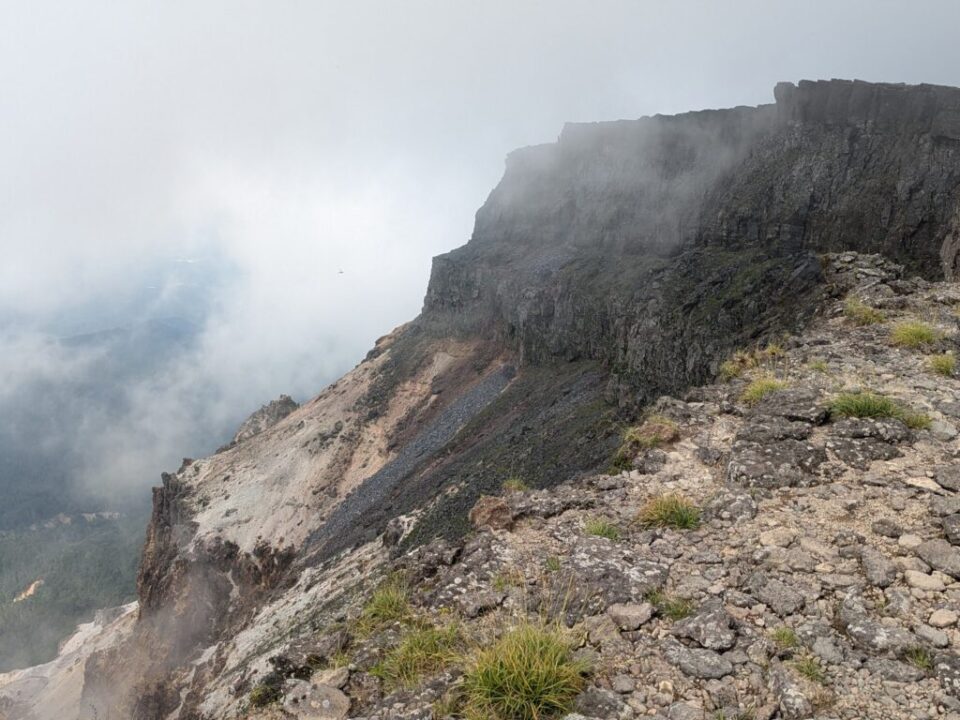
point(389, 603)
point(864, 405)
point(818, 365)
point(743, 360)
point(913, 334)
point(515, 484)
point(945, 364)
point(669, 606)
point(421, 652)
point(862, 314)
point(655, 431)
point(553, 564)
point(785, 638)
point(920, 658)
point(872, 405)
point(528, 674)
point(760, 388)
point(809, 668)
point(264, 694)
point(671, 510)
point(602, 528)
point(507, 579)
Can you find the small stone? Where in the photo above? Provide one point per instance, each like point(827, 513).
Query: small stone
point(942, 618)
point(629, 616)
point(696, 662)
point(778, 537)
point(623, 684)
point(887, 528)
point(951, 528)
point(922, 581)
point(909, 541)
point(937, 638)
point(827, 650)
point(942, 430)
point(878, 568)
point(312, 701)
point(941, 555)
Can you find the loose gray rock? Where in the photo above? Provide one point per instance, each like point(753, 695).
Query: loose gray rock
point(630, 616)
point(696, 662)
point(878, 569)
point(940, 555)
point(710, 628)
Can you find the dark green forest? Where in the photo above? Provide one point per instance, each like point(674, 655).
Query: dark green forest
point(84, 565)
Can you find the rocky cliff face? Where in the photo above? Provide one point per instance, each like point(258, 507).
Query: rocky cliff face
point(624, 262)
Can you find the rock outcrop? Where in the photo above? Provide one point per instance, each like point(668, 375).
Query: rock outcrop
point(611, 276)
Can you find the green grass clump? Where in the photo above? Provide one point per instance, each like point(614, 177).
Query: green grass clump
point(861, 313)
point(809, 668)
point(528, 674)
point(655, 431)
point(871, 405)
point(671, 510)
point(785, 638)
point(553, 564)
point(389, 603)
point(264, 694)
point(760, 388)
point(421, 652)
point(920, 658)
point(864, 405)
point(602, 528)
point(669, 606)
point(945, 364)
point(913, 334)
point(515, 484)
point(818, 366)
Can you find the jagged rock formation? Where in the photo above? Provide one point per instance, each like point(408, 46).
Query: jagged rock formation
point(622, 263)
point(266, 417)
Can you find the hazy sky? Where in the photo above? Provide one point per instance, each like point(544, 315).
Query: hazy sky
point(294, 139)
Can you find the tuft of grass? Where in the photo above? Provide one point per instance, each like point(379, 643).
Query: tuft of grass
point(915, 420)
point(809, 668)
point(389, 603)
point(422, 652)
point(669, 606)
point(945, 364)
point(655, 431)
point(515, 484)
point(862, 314)
point(818, 366)
point(743, 360)
point(760, 388)
point(264, 694)
point(528, 674)
point(920, 658)
point(602, 528)
point(913, 334)
point(553, 564)
point(507, 579)
point(785, 638)
point(871, 405)
point(864, 405)
point(672, 510)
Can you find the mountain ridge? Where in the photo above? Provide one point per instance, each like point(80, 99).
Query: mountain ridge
point(626, 261)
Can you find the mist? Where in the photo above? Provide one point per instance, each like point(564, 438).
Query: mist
point(307, 160)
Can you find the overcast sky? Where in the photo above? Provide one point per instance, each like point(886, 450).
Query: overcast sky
point(294, 139)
